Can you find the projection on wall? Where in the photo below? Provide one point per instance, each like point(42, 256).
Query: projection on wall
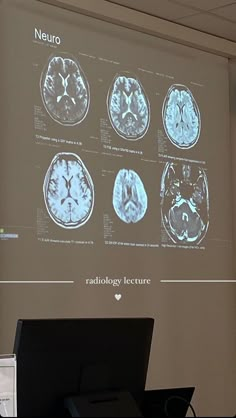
point(181, 117)
point(185, 202)
point(129, 196)
point(114, 144)
point(68, 191)
point(65, 90)
point(128, 107)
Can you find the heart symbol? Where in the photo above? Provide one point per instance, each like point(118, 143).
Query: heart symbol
point(118, 297)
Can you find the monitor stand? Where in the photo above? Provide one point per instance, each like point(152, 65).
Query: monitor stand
point(105, 404)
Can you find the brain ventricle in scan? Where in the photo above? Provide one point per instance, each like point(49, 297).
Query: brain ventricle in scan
point(181, 117)
point(130, 200)
point(128, 107)
point(185, 202)
point(68, 191)
point(65, 90)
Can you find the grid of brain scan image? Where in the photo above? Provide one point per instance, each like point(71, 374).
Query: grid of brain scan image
point(182, 187)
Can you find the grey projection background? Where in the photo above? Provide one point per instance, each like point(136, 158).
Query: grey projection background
point(112, 153)
point(115, 163)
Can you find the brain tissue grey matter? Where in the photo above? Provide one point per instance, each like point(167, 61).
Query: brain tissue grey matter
point(181, 117)
point(68, 191)
point(130, 200)
point(185, 202)
point(128, 107)
point(65, 90)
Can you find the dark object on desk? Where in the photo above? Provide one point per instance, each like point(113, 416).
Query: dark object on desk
point(107, 404)
point(167, 402)
point(62, 358)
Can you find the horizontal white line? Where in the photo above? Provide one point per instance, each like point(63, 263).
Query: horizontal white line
point(198, 281)
point(36, 282)
point(16, 226)
point(149, 161)
point(87, 150)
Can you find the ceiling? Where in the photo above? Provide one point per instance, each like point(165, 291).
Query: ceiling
point(215, 17)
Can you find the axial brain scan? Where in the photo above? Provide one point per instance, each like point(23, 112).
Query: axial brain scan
point(68, 191)
point(181, 117)
point(185, 203)
point(128, 107)
point(129, 196)
point(65, 90)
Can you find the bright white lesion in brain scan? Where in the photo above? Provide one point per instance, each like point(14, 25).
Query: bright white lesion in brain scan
point(65, 90)
point(128, 107)
point(185, 203)
point(130, 200)
point(181, 117)
point(68, 191)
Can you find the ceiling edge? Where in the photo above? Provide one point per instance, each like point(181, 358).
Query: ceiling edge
point(151, 25)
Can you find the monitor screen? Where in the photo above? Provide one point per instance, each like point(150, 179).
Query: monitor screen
point(62, 357)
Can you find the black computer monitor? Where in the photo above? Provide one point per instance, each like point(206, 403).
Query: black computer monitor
point(57, 358)
point(167, 403)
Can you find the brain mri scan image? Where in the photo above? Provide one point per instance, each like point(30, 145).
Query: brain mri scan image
point(68, 191)
point(128, 107)
point(181, 117)
point(185, 203)
point(65, 90)
point(130, 200)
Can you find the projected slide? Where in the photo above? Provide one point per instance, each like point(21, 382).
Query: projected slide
point(185, 202)
point(181, 117)
point(68, 191)
point(65, 90)
point(128, 107)
point(129, 196)
point(119, 141)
